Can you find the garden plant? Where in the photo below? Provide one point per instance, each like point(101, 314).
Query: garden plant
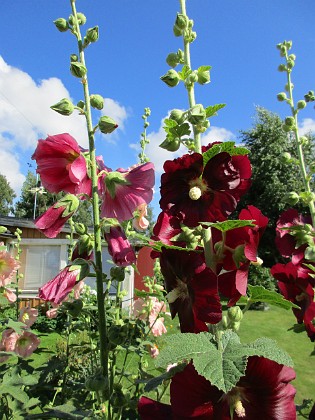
point(203, 245)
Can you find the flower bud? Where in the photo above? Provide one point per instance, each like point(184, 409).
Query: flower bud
point(63, 107)
point(172, 60)
point(178, 116)
point(203, 75)
point(286, 157)
point(177, 31)
point(117, 273)
point(97, 382)
point(171, 78)
point(282, 67)
point(81, 18)
point(196, 114)
point(192, 78)
point(181, 21)
point(171, 144)
point(80, 228)
point(289, 121)
point(181, 56)
point(78, 69)
point(74, 308)
point(81, 104)
point(235, 314)
point(61, 24)
point(74, 58)
point(290, 64)
point(301, 104)
point(288, 45)
point(281, 96)
point(107, 125)
point(97, 101)
point(92, 34)
point(291, 198)
point(309, 97)
point(203, 126)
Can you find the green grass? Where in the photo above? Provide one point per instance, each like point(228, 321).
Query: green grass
point(277, 324)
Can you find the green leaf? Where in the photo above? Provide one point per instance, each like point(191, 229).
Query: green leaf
point(268, 348)
point(15, 392)
point(260, 294)
point(211, 111)
point(228, 147)
point(186, 71)
point(229, 224)
point(158, 245)
point(17, 326)
point(170, 123)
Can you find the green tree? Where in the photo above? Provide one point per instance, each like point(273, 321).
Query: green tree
point(7, 196)
point(272, 176)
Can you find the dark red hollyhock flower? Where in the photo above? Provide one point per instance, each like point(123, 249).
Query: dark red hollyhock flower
point(61, 165)
point(192, 289)
point(119, 247)
point(286, 242)
point(233, 284)
point(204, 193)
point(294, 285)
point(263, 393)
point(166, 228)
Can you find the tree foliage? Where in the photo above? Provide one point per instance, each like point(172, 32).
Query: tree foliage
point(272, 176)
point(7, 196)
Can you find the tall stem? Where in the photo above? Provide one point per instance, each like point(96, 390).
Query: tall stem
point(102, 325)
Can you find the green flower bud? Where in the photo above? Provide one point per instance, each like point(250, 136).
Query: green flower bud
point(181, 56)
point(61, 24)
point(117, 273)
point(171, 78)
point(291, 198)
point(225, 322)
point(309, 97)
point(172, 60)
point(74, 58)
point(63, 107)
point(235, 314)
point(81, 104)
point(312, 167)
point(287, 87)
point(78, 69)
point(282, 67)
point(71, 20)
point(196, 114)
point(289, 121)
point(171, 144)
point(193, 77)
point(286, 157)
point(286, 128)
point(97, 101)
point(203, 77)
point(107, 125)
point(117, 334)
point(178, 116)
point(290, 64)
point(181, 21)
point(70, 202)
point(281, 96)
point(235, 326)
point(80, 228)
point(177, 31)
point(288, 44)
point(81, 18)
point(301, 104)
point(92, 34)
point(203, 126)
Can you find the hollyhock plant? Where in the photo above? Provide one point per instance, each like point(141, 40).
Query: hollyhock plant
point(26, 344)
point(53, 220)
point(124, 190)
point(204, 193)
point(119, 247)
point(8, 267)
point(28, 316)
point(192, 289)
point(264, 392)
point(61, 165)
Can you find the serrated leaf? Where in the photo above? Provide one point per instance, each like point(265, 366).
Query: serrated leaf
point(15, 392)
point(228, 147)
point(211, 111)
point(260, 294)
point(182, 130)
point(158, 245)
point(268, 348)
point(170, 123)
point(204, 68)
point(228, 224)
point(185, 72)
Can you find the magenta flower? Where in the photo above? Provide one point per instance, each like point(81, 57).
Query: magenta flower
point(167, 227)
point(125, 190)
point(53, 220)
point(119, 247)
point(57, 289)
point(61, 165)
point(264, 392)
point(192, 289)
point(204, 193)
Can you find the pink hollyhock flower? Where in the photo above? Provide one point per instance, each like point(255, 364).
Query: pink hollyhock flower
point(61, 165)
point(264, 392)
point(192, 289)
point(119, 247)
point(53, 220)
point(204, 193)
point(26, 344)
point(157, 326)
point(125, 190)
point(53, 312)
point(8, 267)
point(57, 289)
point(150, 310)
point(9, 295)
point(139, 222)
point(28, 316)
point(154, 351)
point(78, 289)
point(9, 339)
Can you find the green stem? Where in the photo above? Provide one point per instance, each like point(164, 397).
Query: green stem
point(102, 325)
point(300, 154)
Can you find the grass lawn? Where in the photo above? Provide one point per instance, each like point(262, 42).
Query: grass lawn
point(277, 324)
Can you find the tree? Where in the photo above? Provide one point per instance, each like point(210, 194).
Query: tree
point(272, 176)
point(6, 197)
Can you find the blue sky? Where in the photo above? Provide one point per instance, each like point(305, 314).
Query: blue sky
point(237, 39)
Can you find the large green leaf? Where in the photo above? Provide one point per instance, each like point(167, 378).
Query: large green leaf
point(260, 294)
point(211, 111)
point(228, 147)
point(228, 224)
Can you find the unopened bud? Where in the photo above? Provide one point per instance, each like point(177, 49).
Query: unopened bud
point(203, 75)
point(301, 104)
point(171, 144)
point(92, 34)
point(181, 21)
point(97, 101)
point(286, 157)
point(290, 64)
point(63, 107)
point(281, 96)
point(196, 114)
point(289, 121)
point(171, 78)
point(292, 198)
point(81, 18)
point(61, 24)
point(78, 69)
point(107, 125)
point(235, 314)
point(74, 58)
point(282, 67)
point(178, 116)
point(172, 60)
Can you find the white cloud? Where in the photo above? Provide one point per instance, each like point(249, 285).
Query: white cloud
point(306, 126)
point(114, 110)
point(217, 134)
point(25, 116)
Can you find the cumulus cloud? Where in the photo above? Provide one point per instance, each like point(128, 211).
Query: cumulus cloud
point(25, 116)
point(306, 126)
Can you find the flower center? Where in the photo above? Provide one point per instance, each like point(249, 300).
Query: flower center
point(195, 193)
point(179, 292)
point(197, 188)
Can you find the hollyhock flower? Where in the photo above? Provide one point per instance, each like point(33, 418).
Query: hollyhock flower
point(119, 247)
point(139, 222)
point(157, 326)
point(53, 311)
point(166, 228)
point(150, 310)
point(9, 339)
point(28, 316)
point(124, 190)
point(286, 242)
point(57, 289)
point(204, 193)
point(233, 284)
point(9, 295)
point(26, 344)
point(154, 351)
point(52, 221)
point(61, 165)
point(192, 289)
point(264, 392)
point(8, 267)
